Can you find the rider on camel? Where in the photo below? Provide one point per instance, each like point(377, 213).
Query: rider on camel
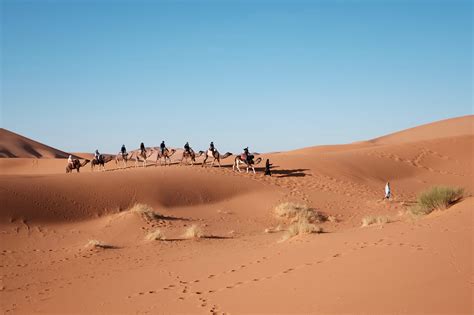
point(187, 148)
point(70, 162)
point(211, 147)
point(163, 147)
point(97, 155)
point(142, 148)
point(247, 156)
point(123, 150)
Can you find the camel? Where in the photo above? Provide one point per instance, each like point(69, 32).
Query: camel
point(216, 157)
point(239, 159)
point(166, 155)
point(139, 155)
point(101, 163)
point(76, 165)
point(124, 158)
point(190, 155)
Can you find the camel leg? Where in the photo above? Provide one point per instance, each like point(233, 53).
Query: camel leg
point(204, 162)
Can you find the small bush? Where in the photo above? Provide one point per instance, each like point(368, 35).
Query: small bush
point(193, 231)
point(299, 228)
point(156, 235)
point(436, 198)
point(97, 244)
point(145, 211)
point(379, 220)
point(298, 212)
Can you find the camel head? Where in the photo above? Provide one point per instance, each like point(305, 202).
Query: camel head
point(226, 155)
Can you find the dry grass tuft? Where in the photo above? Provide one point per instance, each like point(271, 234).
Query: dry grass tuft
point(97, 244)
point(299, 228)
point(145, 211)
point(436, 198)
point(156, 235)
point(375, 220)
point(299, 212)
point(193, 232)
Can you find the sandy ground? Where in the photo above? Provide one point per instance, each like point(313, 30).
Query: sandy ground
point(409, 265)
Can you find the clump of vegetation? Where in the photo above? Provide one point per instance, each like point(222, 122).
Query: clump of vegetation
point(298, 212)
point(193, 232)
point(378, 220)
point(145, 211)
point(299, 228)
point(436, 198)
point(97, 244)
point(156, 235)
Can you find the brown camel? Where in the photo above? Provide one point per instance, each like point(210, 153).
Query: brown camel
point(166, 155)
point(190, 156)
point(101, 162)
point(239, 159)
point(76, 165)
point(216, 157)
point(141, 156)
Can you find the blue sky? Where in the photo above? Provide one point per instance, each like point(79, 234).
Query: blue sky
point(272, 75)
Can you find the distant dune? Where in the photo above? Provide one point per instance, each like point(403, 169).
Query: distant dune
point(454, 127)
point(13, 145)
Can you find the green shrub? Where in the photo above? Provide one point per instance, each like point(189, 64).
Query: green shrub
point(436, 198)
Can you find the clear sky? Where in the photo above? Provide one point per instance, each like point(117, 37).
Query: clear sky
point(272, 75)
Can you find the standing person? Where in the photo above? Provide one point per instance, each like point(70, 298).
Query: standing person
point(268, 166)
point(388, 191)
point(162, 147)
point(142, 148)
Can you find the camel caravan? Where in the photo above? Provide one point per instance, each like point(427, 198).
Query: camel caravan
point(141, 157)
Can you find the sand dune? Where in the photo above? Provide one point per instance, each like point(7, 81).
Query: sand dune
point(423, 265)
point(13, 145)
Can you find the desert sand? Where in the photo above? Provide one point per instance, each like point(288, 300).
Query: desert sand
point(408, 265)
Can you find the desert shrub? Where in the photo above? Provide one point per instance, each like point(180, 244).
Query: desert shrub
point(436, 198)
point(145, 211)
point(299, 228)
point(193, 231)
point(298, 212)
point(97, 244)
point(156, 235)
point(371, 219)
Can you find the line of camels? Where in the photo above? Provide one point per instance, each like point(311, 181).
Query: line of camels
point(163, 158)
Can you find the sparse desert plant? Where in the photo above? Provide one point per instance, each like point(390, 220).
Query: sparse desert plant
point(156, 235)
point(299, 228)
point(298, 212)
point(97, 244)
point(372, 219)
point(145, 211)
point(194, 231)
point(436, 198)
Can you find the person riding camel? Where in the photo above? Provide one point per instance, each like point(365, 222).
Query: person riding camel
point(247, 156)
point(211, 147)
point(70, 162)
point(187, 148)
point(163, 147)
point(142, 149)
point(123, 150)
point(97, 155)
